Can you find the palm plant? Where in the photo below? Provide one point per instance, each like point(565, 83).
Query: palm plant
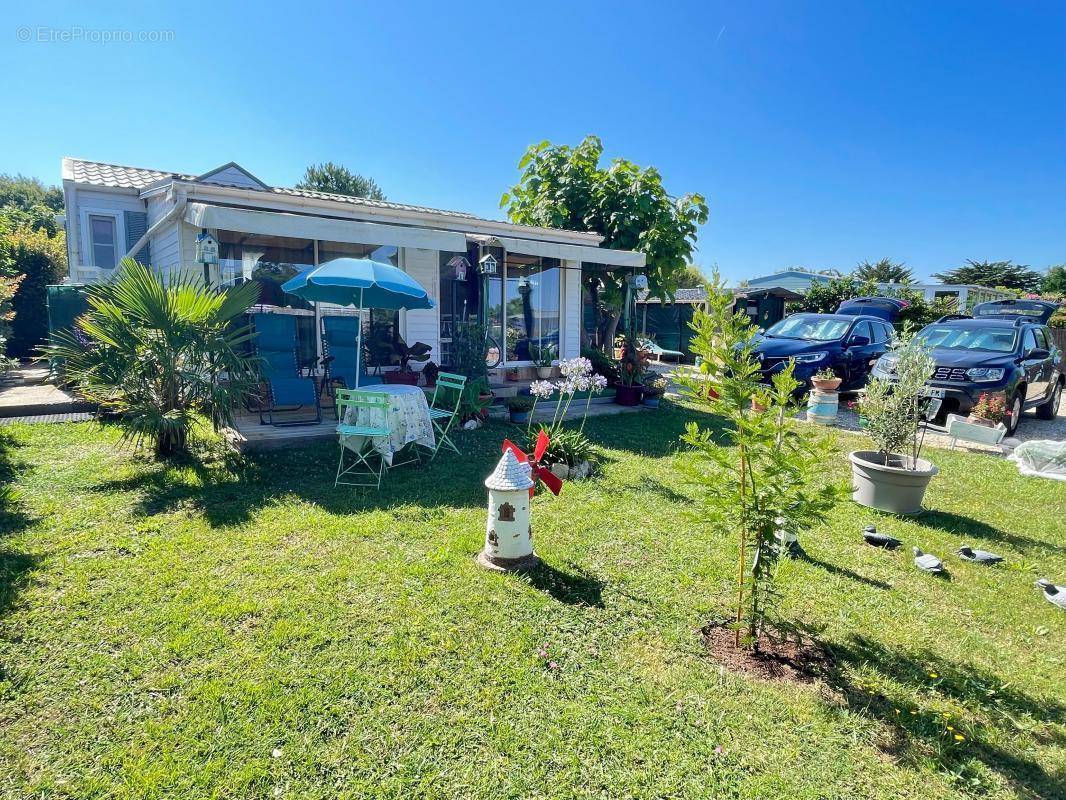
point(160, 355)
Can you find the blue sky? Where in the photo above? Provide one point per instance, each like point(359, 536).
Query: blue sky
point(821, 133)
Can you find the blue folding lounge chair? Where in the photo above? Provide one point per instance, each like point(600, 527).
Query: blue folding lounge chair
point(286, 389)
point(340, 341)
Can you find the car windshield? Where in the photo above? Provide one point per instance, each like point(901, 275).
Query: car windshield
point(947, 337)
point(810, 327)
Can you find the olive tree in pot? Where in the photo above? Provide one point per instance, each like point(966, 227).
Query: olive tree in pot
point(893, 478)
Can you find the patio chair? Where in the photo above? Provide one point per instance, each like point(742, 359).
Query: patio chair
point(442, 408)
point(651, 347)
point(341, 338)
point(287, 389)
point(361, 470)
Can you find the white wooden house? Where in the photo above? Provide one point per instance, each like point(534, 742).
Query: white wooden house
point(523, 282)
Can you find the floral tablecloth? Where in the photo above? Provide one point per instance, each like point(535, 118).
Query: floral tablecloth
point(407, 419)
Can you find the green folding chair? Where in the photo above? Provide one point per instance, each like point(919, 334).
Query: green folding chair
point(361, 470)
point(441, 408)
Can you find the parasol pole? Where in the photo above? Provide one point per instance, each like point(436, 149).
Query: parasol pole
point(359, 338)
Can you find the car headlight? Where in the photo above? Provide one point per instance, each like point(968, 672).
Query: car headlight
point(985, 374)
point(885, 366)
point(810, 358)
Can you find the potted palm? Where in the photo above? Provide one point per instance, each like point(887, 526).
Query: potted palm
point(893, 477)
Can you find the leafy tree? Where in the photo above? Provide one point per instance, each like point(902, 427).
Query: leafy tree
point(884, 271)
point(42, 260)
point(692, 278)
point(27, 201)
point(1055, 281)
point(335, 179)
point(10, 279)
point(161, 354)
point(994, 274)
point(763, 473)
point(566, 187)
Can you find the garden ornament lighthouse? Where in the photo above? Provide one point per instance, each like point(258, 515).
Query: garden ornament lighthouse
point(508, 535)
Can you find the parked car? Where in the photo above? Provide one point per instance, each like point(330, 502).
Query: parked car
point(847, 343)
point(1005, 348)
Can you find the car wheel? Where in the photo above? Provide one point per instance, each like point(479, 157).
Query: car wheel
point(1015, 417)
point(1049, 409)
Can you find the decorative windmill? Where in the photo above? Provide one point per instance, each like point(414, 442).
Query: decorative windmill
point(538, 470)
point(508, 534)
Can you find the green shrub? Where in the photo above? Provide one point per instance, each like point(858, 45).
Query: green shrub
point(520, 402)
point(42, 259)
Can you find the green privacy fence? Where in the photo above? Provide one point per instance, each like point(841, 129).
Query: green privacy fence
point(667, 324)
point(65, 304)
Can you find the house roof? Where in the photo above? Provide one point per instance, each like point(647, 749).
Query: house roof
point(790, 273)
point(117, 176)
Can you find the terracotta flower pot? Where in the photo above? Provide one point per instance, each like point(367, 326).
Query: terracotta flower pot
point(826, 384)
point(407, 378)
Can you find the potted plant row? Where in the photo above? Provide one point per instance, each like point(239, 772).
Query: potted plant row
point(893, 477)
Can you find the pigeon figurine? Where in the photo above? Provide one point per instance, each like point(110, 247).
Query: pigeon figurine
point(967, 553)
point(928, 563)
point(870, 534)
point(1056, 595)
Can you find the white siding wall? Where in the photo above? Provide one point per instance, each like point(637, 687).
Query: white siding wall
point(571, 316)
point(231, 176)
point(105, 202)
point(165, 240)
point(424, 325)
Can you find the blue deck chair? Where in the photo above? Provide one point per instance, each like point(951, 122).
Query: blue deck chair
point(286, 388)
point(341, 338)
point(369, 412)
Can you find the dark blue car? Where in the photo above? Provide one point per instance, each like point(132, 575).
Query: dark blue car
point(848, 342)
point(1005, 349)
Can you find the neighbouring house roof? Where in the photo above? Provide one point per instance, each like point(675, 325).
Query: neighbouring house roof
point(767, 291)
point(790, 273)
point(696, 295)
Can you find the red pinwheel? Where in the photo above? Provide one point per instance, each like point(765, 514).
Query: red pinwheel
point(549, 478)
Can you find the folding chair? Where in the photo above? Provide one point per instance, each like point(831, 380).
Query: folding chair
point(441, 408)
point(287, 389)
point(361, 469)
point(341, 339)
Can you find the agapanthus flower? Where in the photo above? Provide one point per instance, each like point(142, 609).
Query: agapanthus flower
point(575, 367)
point(598, 382)
point(542, 389)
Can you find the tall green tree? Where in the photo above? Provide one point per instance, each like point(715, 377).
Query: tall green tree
point(29, 202)
point(1054, 282)
point(693, 278)
point(994, 274)
point(884, 271)
point(336, 179)
point(566, 187)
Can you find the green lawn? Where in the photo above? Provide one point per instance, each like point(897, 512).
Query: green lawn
point(241, 629)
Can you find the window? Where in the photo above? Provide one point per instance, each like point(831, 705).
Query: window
point(268, 260)
point(103, 241)
point(1028, 341)
point(459, 298)
point(522, 306)
point(1043, 339)
point(863, 329)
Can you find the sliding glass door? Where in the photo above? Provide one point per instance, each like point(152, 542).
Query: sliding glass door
point(522, 307)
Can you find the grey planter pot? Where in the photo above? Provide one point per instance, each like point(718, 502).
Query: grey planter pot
point(890, 487)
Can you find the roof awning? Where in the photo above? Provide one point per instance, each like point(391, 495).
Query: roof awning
point(302, 226)
point(573, 252)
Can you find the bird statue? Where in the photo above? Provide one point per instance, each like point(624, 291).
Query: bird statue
point(870, 534)
point(928, 563)
point(967, 553)
point(1056, 595)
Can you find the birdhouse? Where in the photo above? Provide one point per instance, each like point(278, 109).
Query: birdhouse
point(508, 534)
point(488, 264)
point(460, 265)
point(206, 248)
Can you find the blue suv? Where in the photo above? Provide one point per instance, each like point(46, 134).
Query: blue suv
point(1004, 349)
point(848, 342)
